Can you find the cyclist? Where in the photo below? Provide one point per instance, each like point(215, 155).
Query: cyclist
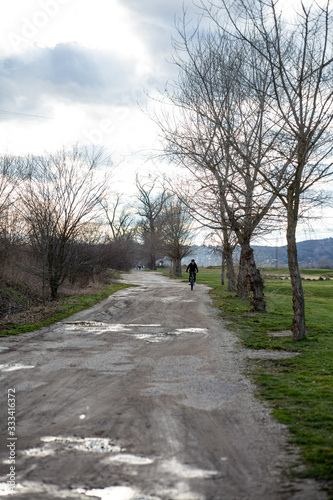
point(192, 268)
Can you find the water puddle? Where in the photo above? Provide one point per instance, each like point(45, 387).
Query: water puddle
point(155, 337)
point(93, 324)
point(30, 489)
point(14, 367)
point(133, 329)
point(94, 327)
point(55, 444)
point(5, 490)
point(138, 325)
point(2, 349)
point(160, 336)
point(34, 488)
point(95, 445)
point(184, 471)
point(37, 452)
point(116, 493)
point(129, 459)
point(192, 330)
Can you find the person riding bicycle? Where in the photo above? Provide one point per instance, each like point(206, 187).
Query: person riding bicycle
point(192, 268)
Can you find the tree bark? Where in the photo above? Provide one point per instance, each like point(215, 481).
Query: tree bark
point(222, 268)
point(242, 279)
point(298, 326)
point(152, 262)
point(227, 254)
point(255, 280)
point(176, 267)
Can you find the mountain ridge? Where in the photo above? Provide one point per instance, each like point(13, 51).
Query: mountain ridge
point(312, 254)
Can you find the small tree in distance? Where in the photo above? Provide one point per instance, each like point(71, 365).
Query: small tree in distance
point(176, 233)
point(151, 205)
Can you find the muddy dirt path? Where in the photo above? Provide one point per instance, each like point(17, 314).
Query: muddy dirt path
point(142, 397)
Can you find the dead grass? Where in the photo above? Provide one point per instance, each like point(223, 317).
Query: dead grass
point(21, 305)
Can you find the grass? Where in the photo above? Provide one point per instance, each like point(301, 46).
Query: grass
point(299, 389)
point(61, 309)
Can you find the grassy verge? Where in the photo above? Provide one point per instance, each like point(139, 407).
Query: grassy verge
point(299, 389)
point(60, 309)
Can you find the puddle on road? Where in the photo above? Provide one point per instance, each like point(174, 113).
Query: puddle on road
point(184, 471)
point(93, 327)
point(114, 455)
point(138, 325)
point(55, 444)
point(154, 337)
point(116, 493)
point(160, 336)
point(95, 445)
point(14, 366)
point(128, 459)
point(192, 330)
point(37, 452)
point(34, 488)
point(2, 349)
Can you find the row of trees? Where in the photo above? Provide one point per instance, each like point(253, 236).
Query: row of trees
point(59, 219)
point(253, 126)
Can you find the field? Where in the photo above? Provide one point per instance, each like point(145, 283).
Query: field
point(299, 389)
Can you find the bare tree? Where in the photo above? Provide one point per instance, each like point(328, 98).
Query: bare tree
point(176, 233)
point(150, 209)
point(12, 172)
point(199, 194)
point(59, 200)
point(119, 218)
point(299, 56)
point(121, 239)
point(220, 134)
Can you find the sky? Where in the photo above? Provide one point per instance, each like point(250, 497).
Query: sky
point(78, 71)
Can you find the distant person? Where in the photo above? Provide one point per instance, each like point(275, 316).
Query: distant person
point(192, 268)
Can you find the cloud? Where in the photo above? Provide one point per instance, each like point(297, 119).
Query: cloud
point(162, 13)
point(155, 23)
point(69, 73)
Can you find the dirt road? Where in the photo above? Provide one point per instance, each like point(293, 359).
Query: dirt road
point(142, 397)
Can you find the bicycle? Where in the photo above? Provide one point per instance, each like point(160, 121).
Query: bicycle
point(192, 279)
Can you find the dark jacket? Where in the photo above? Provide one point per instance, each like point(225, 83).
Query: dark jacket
point(192, 267)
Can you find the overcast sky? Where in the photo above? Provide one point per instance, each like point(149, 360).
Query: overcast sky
point(81, 68)
point(78, 71)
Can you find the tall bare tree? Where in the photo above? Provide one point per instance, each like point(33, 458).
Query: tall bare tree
point(220, 133)
point(299, 55)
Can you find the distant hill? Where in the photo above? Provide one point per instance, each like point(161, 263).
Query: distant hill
point(312, 254)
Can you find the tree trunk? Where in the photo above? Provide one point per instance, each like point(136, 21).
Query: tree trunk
point(222, 268)
point(231, 278)
point(296, 281)
point(254, 277)
point(152, 262)
point(176, 268)
point(54, 285)
point(242, 279)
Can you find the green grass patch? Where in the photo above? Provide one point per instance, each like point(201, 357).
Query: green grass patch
point(299, 389)
point(61, 309)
